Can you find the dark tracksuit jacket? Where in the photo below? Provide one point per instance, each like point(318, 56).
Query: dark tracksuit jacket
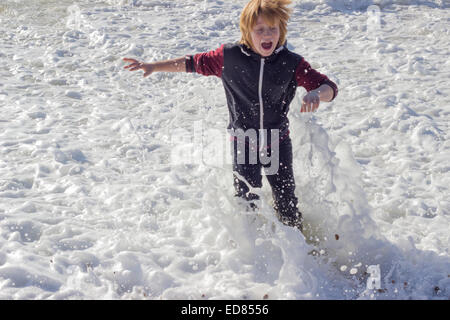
point(259, 91)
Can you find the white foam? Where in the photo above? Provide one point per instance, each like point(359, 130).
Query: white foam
point(93, 208)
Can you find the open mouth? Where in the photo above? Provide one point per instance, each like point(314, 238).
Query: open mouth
point(266, 45)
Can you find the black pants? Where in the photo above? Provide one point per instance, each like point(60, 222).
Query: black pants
point(282, 181)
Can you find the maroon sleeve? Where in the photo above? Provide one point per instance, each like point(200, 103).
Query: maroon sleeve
point(206, 63)
point(311, 79)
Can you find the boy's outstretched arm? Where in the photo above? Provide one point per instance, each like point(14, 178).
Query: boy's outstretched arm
point(174, 65)
point(319, 87)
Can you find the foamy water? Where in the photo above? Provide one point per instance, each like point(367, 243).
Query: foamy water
point(93, 207)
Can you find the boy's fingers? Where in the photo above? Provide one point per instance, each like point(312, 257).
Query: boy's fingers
point(309, 106)
point(303, 108)
point(135, 66)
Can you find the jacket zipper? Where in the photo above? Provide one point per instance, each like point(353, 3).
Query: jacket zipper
point(261, 106)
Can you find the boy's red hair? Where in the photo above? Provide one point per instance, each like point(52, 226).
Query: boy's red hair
point(271, 11)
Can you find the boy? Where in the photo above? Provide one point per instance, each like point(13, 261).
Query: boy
point(260, 76)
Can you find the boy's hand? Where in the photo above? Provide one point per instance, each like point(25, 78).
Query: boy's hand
point(310, 102)
point(136, 65)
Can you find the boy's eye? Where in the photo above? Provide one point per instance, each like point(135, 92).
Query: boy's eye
point(270, 30)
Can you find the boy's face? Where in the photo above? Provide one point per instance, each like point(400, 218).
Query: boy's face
point(265, 37)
